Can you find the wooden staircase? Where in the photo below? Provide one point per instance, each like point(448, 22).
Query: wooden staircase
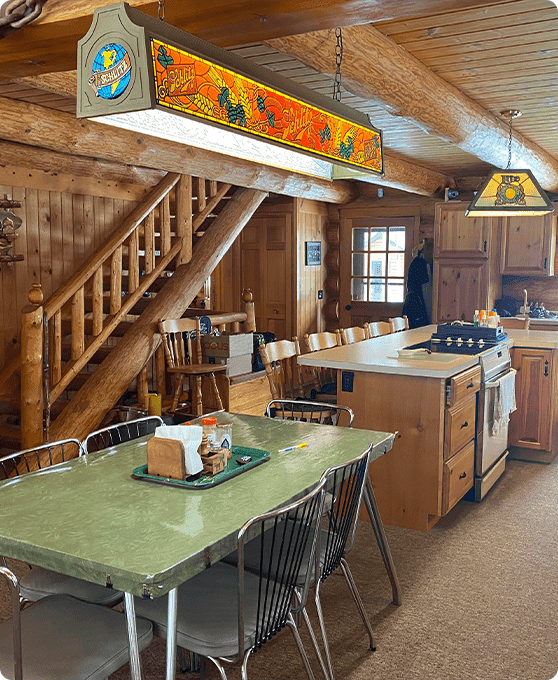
point(66, 338)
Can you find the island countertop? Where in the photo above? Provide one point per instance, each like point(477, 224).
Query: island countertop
point(379, 355)
point(533, 339)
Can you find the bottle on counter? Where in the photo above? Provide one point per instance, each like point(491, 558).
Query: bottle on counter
point(209, 425)
point(476, 318)
point(482, 318)
point(492, 319)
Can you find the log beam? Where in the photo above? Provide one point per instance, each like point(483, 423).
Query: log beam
point(59, 131)
point(113, 376)
point(48, 44)
point(377, 68)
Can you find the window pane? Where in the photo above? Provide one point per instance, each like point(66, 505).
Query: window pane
point(360, 264)
point(358, 290)
point(377, 291)
point(360, 239)
point(377, 265)
point(397, 238)
point(395, 291)
point(378, 238)
point(396, 264)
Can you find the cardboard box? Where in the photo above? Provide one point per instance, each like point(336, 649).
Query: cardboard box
point(227, 345)
point(235, 365)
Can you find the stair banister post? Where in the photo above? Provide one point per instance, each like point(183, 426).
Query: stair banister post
point(249, 308)
point(32, 401)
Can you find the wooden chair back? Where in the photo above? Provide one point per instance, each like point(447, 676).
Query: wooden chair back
point(180, 349)
point(317, 341)
point(353, 334)
point(280, 362)
point(377, 328)
point(515, 322)
point(398, 324)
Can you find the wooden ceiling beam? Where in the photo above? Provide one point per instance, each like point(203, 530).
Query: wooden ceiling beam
point(58, 131)
point(49, 43)
point(376, 68)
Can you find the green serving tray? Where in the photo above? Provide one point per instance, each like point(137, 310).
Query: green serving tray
point(232, 469)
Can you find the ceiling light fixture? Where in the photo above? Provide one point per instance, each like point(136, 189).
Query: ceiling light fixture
point(142, 74)
point(510, 192)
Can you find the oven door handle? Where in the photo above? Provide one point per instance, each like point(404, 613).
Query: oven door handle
point(496, 383)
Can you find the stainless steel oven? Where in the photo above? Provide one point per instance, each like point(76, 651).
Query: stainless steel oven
point(492, 438)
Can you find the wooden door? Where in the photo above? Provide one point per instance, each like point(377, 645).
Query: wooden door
point(530, 425)
point(528, 245)
point(456, 235)
point(264, 247)
point(460, 287)
point(354, 308)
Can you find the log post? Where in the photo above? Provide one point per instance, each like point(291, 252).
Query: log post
point(250, 309)
point(184, 217)
point(32, 402)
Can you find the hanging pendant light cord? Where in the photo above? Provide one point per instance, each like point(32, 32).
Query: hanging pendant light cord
point(338, 60)
point(509, 144)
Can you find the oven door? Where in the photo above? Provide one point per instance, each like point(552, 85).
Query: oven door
point(490, 447)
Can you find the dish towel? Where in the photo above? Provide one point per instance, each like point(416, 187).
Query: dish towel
point(504, 403)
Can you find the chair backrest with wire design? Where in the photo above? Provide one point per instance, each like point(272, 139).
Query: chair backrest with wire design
point(43, 456)
point(120, 433)
point(285, 548)
point(345, 483)
point(310, 411)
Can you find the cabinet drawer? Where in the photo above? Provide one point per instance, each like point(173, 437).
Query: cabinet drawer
point(458, 476)
point(463, 385)
point(459, 425)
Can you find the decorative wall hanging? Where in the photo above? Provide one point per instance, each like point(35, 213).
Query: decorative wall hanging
point(8, 225)
point(140, 73)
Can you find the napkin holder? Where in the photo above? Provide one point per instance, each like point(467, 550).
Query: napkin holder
point(165, 458)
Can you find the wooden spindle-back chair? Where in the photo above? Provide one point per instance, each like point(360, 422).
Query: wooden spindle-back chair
point(280, 361)
point(322, 376)
point(182, 345)
point(353, 334)
point(377, 328)
point(398, 324)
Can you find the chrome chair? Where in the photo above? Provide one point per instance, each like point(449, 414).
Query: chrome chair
point(226, 612)
point(310, 412)
point(345, 485)
point(60, 637)
point(39, 582)
point(120, 433)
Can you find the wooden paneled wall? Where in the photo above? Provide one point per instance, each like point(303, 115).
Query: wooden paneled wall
point(60, 229)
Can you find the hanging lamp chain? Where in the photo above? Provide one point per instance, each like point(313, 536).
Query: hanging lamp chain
point(161, 10)
point(509, 145)
point(510, 114)
point(338, 60)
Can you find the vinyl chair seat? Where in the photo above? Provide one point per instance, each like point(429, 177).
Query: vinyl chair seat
point(207, 622)
point(38, 583)
point(65, 639)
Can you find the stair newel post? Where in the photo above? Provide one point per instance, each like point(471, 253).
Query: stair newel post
point(32, 400)
point(184, 227)
point(250, 309)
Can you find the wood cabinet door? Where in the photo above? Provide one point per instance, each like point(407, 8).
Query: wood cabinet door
point(460, 287)
point(528, 245)
point(456, 235)
point(530, 424)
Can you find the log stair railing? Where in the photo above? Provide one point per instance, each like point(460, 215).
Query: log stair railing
point(96, 302)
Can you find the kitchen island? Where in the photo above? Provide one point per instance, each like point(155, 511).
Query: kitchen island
point(430, 403)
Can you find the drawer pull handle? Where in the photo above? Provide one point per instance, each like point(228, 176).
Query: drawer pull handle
point(471, 384)
point(462, 475)
point(465, 424)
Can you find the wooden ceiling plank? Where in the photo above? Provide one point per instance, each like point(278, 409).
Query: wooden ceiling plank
point(522, 55)
point(499, 74)
point(438, 29)
point(374, 66)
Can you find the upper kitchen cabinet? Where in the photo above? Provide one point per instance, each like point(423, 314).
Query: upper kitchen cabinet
point(528, 245)
point(456, 235)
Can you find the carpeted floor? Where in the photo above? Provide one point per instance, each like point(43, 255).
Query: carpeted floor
point(480, 599)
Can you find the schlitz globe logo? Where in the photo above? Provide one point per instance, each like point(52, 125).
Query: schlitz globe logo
point(111, 72)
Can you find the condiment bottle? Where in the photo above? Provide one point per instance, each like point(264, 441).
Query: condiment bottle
point(492, 319)
point(476, 318)
point(482, 318)
point(209, 425)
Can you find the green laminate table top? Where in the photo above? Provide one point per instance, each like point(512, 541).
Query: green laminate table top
point(88, 518)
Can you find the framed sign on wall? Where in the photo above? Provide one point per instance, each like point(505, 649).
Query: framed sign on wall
point(313, 253)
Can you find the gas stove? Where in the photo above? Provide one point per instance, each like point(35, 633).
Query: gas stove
point(464, 338)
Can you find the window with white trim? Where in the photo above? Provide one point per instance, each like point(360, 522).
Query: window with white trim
point(378, 264)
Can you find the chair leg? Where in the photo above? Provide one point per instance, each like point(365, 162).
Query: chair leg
point(309, 627)
point(244, 667)
point(204, 667)
point(318, 604)
point(216, 391)
point(358, 601)
point(302, 651)
point(177, 391)
point(197, 408)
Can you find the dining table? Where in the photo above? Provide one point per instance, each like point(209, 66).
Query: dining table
point(92, 519)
